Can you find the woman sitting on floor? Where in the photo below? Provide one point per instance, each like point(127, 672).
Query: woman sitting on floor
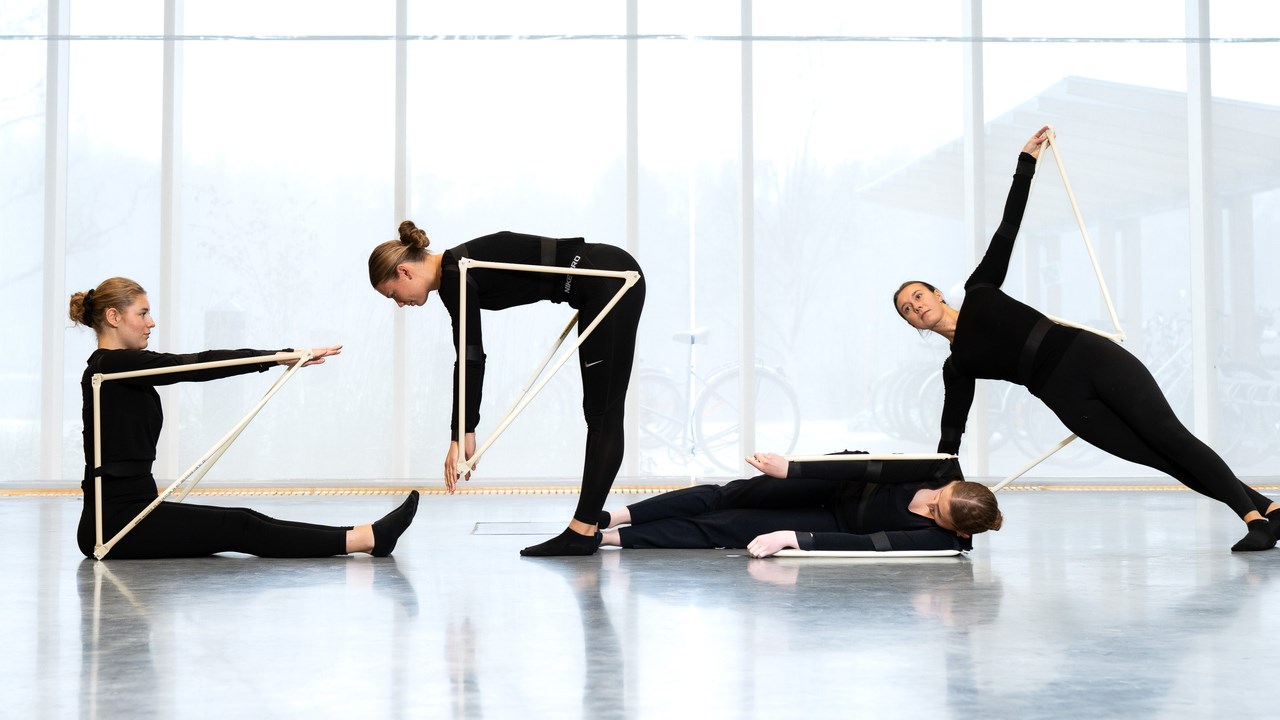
point(820, 505)
point(120, 315)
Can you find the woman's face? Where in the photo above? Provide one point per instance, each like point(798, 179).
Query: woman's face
point(408, 287)
point(921, 306)
point(940, 508)
point(133, 324)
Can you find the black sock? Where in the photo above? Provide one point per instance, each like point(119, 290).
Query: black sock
point(1259, 538)
point(606, 518)
point(1273, 517)
point(566, 543)
point(388, 530)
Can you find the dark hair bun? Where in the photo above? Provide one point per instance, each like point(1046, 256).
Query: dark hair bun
point(413, 236)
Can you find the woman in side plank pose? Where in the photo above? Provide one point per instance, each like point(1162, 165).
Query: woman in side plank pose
point(1094, 386)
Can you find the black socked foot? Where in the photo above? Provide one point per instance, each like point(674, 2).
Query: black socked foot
point(1259, 538)
point(392, 525)
point(566, 543)
point(606, 519)
point(1273, 518)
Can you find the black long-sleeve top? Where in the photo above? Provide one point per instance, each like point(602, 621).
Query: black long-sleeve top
point(493, 289)
point(881, 504)
point(131, 414)
point(993, 328)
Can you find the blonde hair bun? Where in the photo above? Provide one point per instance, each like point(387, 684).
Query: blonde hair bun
point(413, 236)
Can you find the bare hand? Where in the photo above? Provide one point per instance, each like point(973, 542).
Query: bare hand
point(317, 355)
point(451, 461)
point(770, 543)
point(1037, 142)
point(771, 464)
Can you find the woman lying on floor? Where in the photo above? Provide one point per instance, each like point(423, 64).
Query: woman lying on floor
point(822, 505)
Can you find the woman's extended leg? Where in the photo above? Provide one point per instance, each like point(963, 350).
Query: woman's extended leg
point(605, 359)
point(723, 528)
point(175, 530)
point(710, 515)
point(1109, 398)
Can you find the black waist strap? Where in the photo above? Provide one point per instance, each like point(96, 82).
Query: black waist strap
point(548, 260)
point(880, 541)
point(1031, 347)
point(869, 487)
point(125, 468)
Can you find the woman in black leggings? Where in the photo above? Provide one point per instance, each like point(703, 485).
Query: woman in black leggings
point(1096, 388)
point(131, 417)
point(405, 272)
point(821, 505)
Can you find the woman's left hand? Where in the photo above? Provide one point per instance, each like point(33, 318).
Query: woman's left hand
point(317, 355)
point(1037, 142)
point(771, 464)
point(770, 543)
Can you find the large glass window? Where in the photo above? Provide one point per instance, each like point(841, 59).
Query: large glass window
point(286, 184)
point(519, 116)
point(22, 136)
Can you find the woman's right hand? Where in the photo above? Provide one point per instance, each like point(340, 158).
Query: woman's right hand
point(451, 461)
point(771, 464)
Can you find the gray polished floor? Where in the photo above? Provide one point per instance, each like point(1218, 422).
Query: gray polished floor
point(1087, 605)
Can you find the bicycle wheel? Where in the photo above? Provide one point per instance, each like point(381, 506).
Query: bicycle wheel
point(660, 409)
point(718, 417)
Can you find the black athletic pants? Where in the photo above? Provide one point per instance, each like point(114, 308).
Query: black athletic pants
point(1109, 398)
point(605, 359)
point(732, 515)
point(177, 530)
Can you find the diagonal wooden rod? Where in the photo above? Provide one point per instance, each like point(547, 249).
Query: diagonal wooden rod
point(524, 389)
point(629, 279)
point(1025, 468)
point(1117, 336)
point(1084, 233)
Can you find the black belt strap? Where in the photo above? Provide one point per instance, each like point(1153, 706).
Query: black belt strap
point(1031, 347)
point(874, 469)
point(548, 260)
point(867, 491)
point(124, 468)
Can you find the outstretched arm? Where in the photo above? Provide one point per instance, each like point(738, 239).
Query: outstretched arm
point(897, 540)
point(317, 355)
point(995, 264)
point(117, 361)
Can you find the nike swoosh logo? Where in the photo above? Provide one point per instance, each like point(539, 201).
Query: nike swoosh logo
point(594, 363)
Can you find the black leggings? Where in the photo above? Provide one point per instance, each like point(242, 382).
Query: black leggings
point(1109, 398)
point(605, 359)
point(179, 530)
point(731, 515)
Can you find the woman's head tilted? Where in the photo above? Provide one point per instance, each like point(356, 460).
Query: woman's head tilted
point(919, 303)
point(974, 508)
point(117, 310)
point(395, 266)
